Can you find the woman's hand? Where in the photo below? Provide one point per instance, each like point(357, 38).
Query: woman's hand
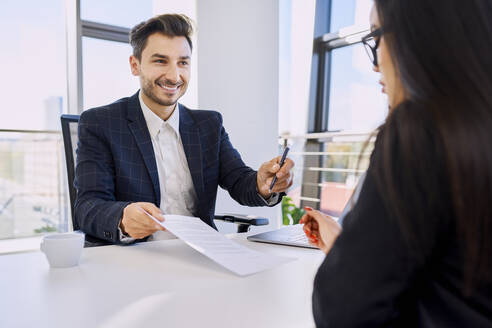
point(321, 229)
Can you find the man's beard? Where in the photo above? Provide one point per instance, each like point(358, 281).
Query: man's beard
point(148, 90)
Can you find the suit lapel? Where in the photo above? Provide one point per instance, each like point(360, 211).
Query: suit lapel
point(138, 127)
point(190, 136)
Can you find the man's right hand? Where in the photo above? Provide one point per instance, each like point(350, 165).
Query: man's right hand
point(137, 224)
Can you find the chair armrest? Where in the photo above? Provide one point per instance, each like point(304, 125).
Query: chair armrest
point(241, 219)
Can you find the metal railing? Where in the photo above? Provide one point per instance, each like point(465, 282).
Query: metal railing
point(328, 166)
point(33, 196)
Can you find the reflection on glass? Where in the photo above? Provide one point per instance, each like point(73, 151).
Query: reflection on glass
point(125, 13)
point(350, 12)
point(356, 102)
point(33, 80)
point(106, 72)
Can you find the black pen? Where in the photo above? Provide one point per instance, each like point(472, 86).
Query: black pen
point(282, 161)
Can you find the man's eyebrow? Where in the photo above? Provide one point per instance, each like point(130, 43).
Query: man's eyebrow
point(156, 55)
point(159, 56)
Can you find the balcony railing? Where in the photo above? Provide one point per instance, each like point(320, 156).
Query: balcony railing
point(33, 197)
point(328, 167)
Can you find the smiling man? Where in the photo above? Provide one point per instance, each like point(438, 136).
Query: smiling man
point(148, 154)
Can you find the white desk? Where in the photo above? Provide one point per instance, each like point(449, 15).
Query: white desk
point(156, 284)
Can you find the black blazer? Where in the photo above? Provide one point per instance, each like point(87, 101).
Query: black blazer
point(116, 165)
point(371, 279)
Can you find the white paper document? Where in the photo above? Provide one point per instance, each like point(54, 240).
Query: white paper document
point(203, 238)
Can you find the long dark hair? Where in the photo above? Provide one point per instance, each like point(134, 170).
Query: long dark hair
point(442, 50)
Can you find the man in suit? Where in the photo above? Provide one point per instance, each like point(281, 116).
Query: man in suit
point(147, 154)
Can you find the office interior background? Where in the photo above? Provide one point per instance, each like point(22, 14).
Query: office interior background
point(281, 72)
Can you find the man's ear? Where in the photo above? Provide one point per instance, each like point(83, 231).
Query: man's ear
point(134, 65)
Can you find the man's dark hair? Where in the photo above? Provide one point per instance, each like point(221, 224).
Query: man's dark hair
point(168, 24)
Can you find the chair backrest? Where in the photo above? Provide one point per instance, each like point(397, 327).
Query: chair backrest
point(69, 125)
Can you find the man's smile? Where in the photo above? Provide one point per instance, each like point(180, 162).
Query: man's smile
point(168, 87)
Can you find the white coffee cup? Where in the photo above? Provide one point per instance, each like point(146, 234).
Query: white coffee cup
point(63, 250)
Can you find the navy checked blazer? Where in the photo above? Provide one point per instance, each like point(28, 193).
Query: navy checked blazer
point(116, 165)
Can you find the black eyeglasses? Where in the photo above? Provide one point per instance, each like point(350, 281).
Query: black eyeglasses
point(371, 44)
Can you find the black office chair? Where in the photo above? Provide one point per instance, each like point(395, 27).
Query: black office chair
point(69, 125)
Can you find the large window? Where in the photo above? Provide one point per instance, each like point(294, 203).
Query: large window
point(33, 56)
point(345, 92)
point(345, 106)
point(106, 74)
point(33, 91)
point(355, 98)
point(33, 187)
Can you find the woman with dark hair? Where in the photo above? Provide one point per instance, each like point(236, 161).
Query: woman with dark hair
point(416, 248)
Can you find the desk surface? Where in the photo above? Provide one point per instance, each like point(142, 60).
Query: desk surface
point(160, 283)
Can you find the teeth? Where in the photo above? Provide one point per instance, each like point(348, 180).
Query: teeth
point(168, 88)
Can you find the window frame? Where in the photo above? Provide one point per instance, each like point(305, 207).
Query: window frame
point(324, 43)
point(76, 29)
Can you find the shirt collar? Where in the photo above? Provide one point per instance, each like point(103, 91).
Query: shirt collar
point(154, 122)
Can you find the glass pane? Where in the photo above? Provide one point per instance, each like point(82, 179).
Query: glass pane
point(32, 197)
point(126, 13)
point(345, 159)
point(291, 210)
point(106, 72)
point(356, 101)
point(350, 12)
point(33, 79)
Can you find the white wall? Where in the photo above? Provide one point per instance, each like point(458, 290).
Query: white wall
point(238, 64)
point(296, 51)
point(294, 114)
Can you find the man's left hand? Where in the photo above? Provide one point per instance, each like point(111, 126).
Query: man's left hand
point(270, 169)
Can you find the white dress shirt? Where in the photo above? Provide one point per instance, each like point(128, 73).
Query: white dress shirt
point(176, 185)
point(177, 191)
